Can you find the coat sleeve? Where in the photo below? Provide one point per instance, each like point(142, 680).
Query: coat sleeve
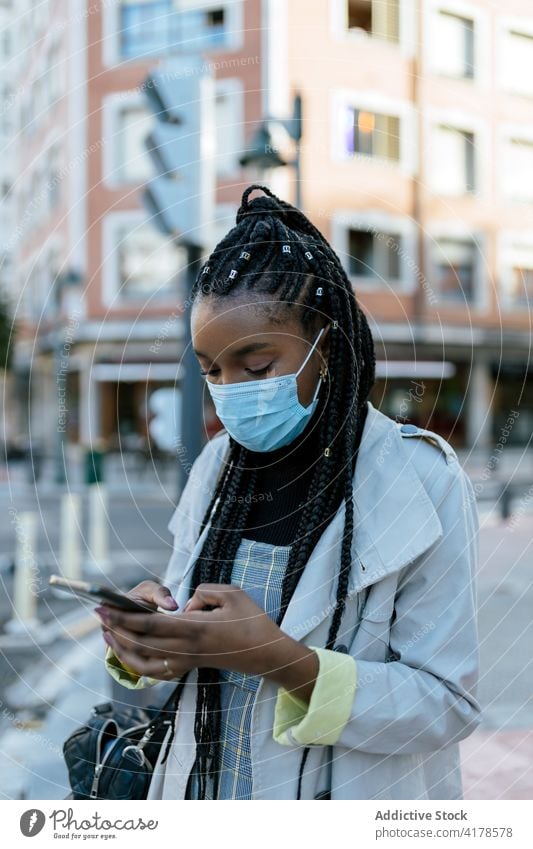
point(424, 697)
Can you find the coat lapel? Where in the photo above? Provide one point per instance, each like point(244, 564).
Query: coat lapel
point(394, 518)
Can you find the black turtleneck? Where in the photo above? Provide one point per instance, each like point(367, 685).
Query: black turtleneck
point(283, 481)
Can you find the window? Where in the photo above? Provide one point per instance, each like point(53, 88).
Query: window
point(517, 62)
point(453, 45)
point(453, 166)
point(132, 161)
point(53, 178)
point(521, 291)
point(148, 262)
point(517, 274)
point(454, 268)
point(374, 255)
point(6, 110)
point(371, 134)
point(153, 27)
point(228, 127)
point(378, 18)
point(517, 172)
point(54, 80)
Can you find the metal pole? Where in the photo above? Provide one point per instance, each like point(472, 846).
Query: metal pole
point(191, 389)
point(297, 135)
point(297, 170)
point(60, 476)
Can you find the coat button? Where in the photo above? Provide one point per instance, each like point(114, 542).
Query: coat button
point(409, 428)
point(341, 648)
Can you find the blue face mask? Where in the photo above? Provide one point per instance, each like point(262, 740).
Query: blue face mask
point(264, 414)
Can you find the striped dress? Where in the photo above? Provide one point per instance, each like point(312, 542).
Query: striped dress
point(259, 569)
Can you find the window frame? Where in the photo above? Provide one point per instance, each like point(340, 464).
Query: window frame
point(482, 41)
point(344, 220)
point(111, 53)
point(112, 105)
point(437, 231)
point(504, 24)
point(375, 102)
point(464, 122)
point(111, 296)
point(506, 242)
point(406, 29)
point(505, 132)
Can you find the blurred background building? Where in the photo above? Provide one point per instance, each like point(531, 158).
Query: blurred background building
point(416, 163)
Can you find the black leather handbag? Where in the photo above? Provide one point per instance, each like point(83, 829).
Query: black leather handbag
point(114, 754)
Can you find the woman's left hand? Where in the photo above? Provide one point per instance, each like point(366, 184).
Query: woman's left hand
point(235, 634)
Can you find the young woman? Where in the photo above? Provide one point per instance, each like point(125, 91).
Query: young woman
point(321, 587)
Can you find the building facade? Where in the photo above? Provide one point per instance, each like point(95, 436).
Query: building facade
point(416, 163)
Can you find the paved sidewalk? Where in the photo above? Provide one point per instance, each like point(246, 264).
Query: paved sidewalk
point(498, 764)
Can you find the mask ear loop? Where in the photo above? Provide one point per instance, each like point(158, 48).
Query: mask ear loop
point(327, 451)
point(310, 351)
point(305, 361)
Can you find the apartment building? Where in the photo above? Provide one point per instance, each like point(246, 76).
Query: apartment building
point(416, 163)
point(97, 287)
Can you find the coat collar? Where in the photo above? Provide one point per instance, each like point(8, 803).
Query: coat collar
point(394, 523)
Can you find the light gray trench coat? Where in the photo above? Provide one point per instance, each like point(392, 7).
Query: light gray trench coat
point(410, 623)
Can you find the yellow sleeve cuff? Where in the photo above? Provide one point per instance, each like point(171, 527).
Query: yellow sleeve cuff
point(320, 722)
point(125, 675)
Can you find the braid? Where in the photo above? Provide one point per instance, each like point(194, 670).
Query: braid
point(275, 250)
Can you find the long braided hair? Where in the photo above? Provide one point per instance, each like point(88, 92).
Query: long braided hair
point(274, 250)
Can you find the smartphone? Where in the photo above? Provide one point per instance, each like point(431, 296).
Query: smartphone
point(99, 594)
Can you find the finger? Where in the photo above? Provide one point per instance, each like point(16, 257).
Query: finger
point(137, 623)
point(213, 595)
point(150, 647)
point(153, 595)
point(156, 595)
point(152, 667)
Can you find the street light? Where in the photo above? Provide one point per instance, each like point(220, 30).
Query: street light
point(263, 153)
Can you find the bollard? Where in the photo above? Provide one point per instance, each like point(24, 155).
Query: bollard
point(505, 501)
point(70, 537)
point(98, 555)
point(25, 579)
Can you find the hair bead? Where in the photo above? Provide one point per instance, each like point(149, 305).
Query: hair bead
point(286, 249)
point(245, 255)
point(206, 269)
point(309, 255)
point(232, 274)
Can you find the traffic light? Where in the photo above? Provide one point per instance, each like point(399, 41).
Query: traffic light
point(180, 199)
